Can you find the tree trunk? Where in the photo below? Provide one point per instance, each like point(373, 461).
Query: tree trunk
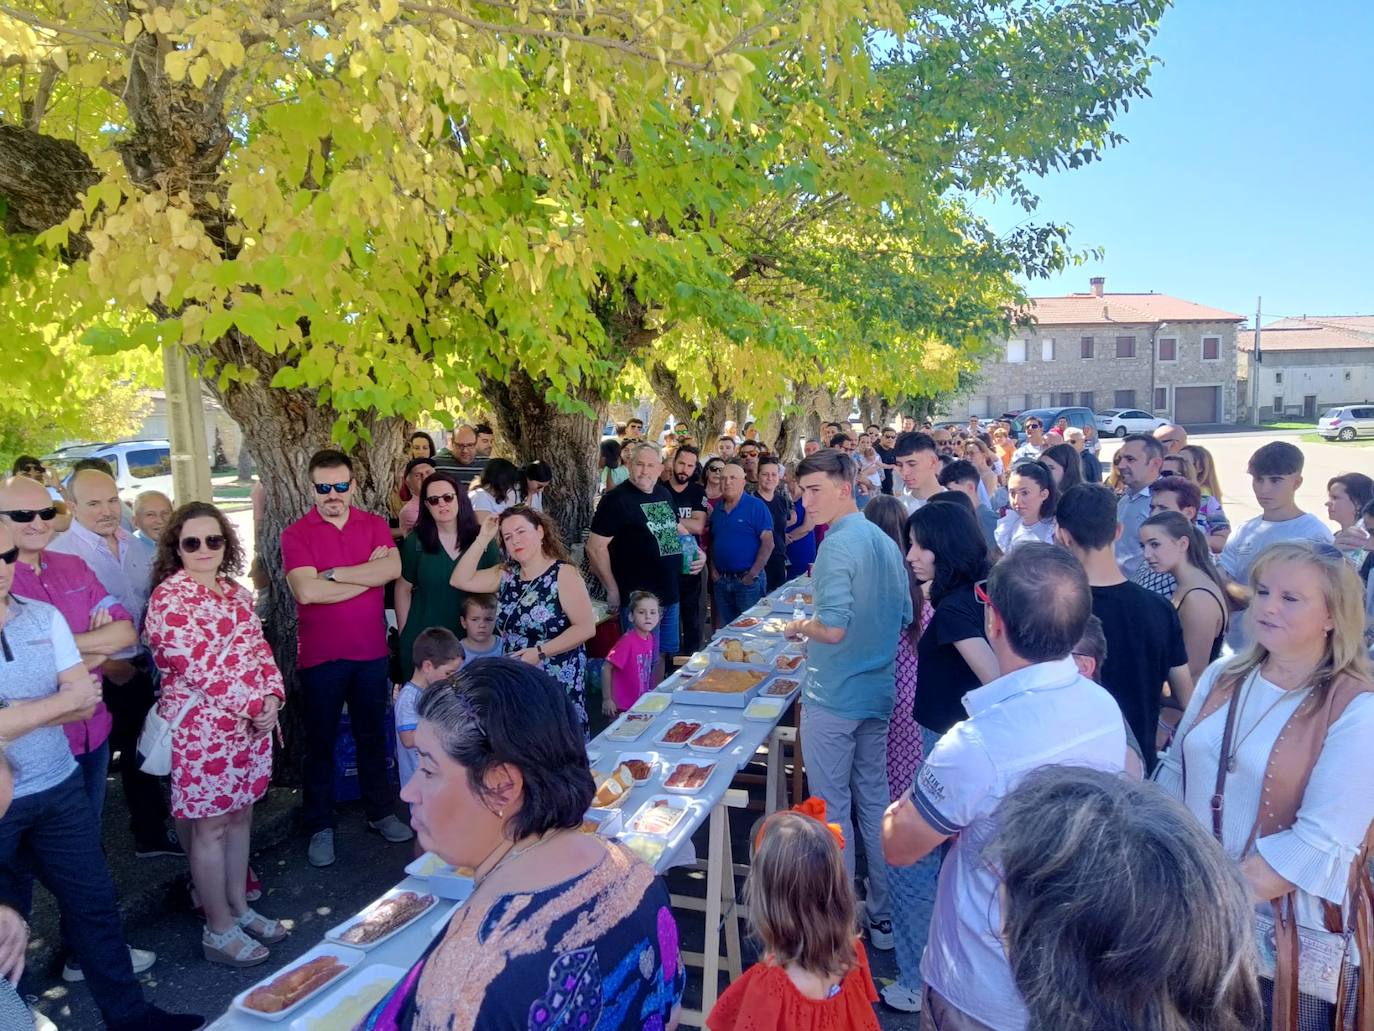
point(707, 421)
point(567, 441)
point(246, 466)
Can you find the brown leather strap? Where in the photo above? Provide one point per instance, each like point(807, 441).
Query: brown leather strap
point(1285, 964)
point(1219, 795)
point(1360, 899)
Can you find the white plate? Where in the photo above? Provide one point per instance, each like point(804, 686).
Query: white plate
point(335, 934)
point(444, 880)
point(765, 709)
point(681, 805)
point(349, 957)
point(624, 729)
point(688, 791)
point(734, 728)
point(678, 744)
point(333, 1012)
point(773, 682)
point(653, 702)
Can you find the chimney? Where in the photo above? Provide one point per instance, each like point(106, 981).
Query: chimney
point(1097, 283)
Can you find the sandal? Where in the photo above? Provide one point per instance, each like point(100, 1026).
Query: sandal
point(265, 930)
point(233, 948)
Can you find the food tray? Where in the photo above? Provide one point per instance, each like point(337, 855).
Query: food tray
point(732, 728)
point(349, 957)
point(608, 821)
point(653, 703)
point(670, 803)
point(444, 880)
point(789, 663)
point(708, 764)
point(352, 1000)
point(767, 649)
point(652, 758)
point(629, 727)
point(620, 790)
point(426, 865)
point(645, 847)
point(781, 687)
point(766, 710)
point(335, 934)
point(689, 694)
point(659, 740)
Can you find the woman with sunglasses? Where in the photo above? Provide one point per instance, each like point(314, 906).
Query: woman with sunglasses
point(424, 595)
point(208, 645)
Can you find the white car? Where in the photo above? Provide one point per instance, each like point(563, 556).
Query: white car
point(1121, 422)
point(138, 465)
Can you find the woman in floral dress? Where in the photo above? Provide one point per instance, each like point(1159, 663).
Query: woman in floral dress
point(544, 612)
point(208, 645)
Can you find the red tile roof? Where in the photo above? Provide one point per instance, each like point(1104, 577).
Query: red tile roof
point(1312, 333)
point(1123, 309)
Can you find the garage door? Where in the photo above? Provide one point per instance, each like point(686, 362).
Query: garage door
point(1197, 404)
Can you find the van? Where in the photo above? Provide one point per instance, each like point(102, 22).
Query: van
point(138, 465)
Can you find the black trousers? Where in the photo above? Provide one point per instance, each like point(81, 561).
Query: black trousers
point(129, 704)
point(367, 690)
point(690, 610)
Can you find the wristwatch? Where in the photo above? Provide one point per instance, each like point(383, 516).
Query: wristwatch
point(329, 575)
point(540, 649)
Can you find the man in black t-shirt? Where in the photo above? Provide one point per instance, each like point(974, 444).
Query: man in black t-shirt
point(885, 443)
point(690, 501)
point(1145, 646)
point(773, 493)
point(635, 545)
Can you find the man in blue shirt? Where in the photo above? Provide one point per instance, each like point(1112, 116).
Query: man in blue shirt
point(741, 543)
point(862, 603)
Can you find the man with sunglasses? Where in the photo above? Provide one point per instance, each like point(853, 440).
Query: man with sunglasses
point(1040, 711)
point(48, 828)
point(338, 560)
point(27, 465)
point(885, 443)
point(124, 568)
point(1034, 444)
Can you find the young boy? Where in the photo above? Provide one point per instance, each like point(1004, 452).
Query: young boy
point(478, 620)
point(436, 654)
point(1275, 475)
point(629, 669)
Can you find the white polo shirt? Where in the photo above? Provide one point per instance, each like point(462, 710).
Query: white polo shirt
point(1046, 714)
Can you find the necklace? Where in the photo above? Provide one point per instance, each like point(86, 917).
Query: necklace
point(480, 876)
point(1231, 761)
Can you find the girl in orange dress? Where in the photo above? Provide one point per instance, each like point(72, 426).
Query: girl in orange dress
point(814, 974)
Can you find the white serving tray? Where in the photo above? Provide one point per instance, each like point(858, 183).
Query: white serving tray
point(335, 934)
point(348, 956)
point(670, 724)
point(325, 1015)
point(689, 791)
point(735, 728)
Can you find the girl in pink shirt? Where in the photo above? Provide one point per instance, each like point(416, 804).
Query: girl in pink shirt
point(629, 669)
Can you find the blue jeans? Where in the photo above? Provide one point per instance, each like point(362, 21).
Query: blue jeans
point(54, 834)
point(326, 687)
point(732, 595)
point(95, 770)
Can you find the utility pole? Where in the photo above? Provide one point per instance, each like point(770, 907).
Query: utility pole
point(1254, 366)
point(186, 428)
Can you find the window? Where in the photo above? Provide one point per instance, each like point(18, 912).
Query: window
point(1278, 404)
point(1161, 399)
point(1211, 348)
point(1125, 398)
point(1086, 398)
point(1047, 349)
point(1066, 399)
point(1125, 347)
point(152, 462)
point(1016, 351)
point(1085, 347)
point(1168, 349)
point(1278, 377)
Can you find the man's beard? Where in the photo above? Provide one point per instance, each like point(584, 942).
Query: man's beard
point(681, 478)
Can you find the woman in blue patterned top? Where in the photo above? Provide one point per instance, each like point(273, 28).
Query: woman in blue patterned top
point(563, 929)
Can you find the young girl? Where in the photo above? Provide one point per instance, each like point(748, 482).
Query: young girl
point(1211, 512)
point(629, 669)
point(1032, 495)
point(1171, 544)
point(813, 975)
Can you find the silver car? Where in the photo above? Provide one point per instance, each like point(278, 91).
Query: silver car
point(1347, 422)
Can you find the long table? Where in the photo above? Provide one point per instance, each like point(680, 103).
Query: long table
point(713, 800)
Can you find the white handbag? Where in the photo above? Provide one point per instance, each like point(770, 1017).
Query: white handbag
point(155, 739)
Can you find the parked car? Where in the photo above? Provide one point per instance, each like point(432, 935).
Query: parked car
point(1122, 422)
point(138, 465)
point(1347, 422)
point(1079, 417)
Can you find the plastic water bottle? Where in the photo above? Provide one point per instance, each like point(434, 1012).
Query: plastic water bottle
point(798, 611)
point(689, 551)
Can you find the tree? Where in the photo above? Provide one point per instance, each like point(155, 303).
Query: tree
point(348, 210)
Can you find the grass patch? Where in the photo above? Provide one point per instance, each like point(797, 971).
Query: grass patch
point(1289, 425)
point(1317, 438)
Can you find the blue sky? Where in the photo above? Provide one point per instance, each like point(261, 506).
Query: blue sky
point(1250, 171)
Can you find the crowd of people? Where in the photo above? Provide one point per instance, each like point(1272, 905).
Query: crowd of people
point(1013, 664)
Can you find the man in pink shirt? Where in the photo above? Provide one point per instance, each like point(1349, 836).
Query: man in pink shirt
point(417, 469)
point(337, 560)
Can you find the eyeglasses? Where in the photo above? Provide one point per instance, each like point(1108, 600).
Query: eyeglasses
point(33, 468)
point(10, 557)
point(440, 499)
point(338, 488)
point(191, 545)
point(28, 515)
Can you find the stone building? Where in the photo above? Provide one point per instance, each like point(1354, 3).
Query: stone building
point(1307, 365)
point(1114, 350)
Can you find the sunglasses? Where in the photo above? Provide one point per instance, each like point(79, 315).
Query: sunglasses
point(32, 469)
point(10, 557)
point(1035, 425)
point(440, 499)
point(28, 515)
point(191, 545)
point(338, 488)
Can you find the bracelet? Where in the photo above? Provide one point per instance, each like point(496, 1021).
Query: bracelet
point(539, 648)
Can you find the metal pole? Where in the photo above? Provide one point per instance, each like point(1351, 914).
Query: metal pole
point(1254, 366)
point(186, 428)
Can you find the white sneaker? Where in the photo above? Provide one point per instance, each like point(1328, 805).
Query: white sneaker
point(899, 997)
point(880, 935)
point(141, 959)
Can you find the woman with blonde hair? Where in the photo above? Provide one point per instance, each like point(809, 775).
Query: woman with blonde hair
point(1210, 511)
point(1273, 755)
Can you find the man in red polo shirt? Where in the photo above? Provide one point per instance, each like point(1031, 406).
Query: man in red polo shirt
point(337, 560)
